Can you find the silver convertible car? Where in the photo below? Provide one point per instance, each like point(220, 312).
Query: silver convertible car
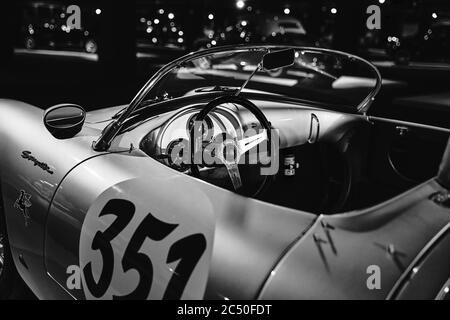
point(244, 172)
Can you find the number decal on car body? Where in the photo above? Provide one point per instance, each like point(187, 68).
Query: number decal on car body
point(129, 253)
point(124, 211)
point(188, 250)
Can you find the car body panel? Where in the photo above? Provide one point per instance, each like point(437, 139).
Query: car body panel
point(240, 231)
point(118, 224)
point(23, 130)
point(378, 236)
point(99, 118)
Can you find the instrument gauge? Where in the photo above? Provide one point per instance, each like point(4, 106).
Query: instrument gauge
point(207, 127)
point(177, 150)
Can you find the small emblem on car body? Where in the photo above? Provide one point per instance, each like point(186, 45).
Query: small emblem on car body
point(23, 203)
point(27, 155)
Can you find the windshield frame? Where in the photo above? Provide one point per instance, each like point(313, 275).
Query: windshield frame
point(110, 132)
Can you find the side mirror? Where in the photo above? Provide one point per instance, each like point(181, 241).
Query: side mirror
point(64, 120)
point(279, 59)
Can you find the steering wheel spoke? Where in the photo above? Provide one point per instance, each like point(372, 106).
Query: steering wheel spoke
point(235, 176)
point(249, 143)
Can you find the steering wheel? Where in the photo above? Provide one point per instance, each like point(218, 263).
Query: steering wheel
point(229, 150)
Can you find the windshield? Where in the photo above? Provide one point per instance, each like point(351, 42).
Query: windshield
point(325, 77)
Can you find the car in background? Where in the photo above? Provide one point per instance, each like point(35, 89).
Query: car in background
point(429, 45)
point(261, 28)
point(43, 26)
point(160, 34)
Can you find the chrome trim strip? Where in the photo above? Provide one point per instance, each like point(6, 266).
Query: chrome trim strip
point(412, 124)
point(51, 277)
point(310, 229)
point(444, 292)
point(406, 275)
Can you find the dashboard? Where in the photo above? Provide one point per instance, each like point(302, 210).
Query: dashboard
point(337, 159)
point(302, 132)
point(296, 125)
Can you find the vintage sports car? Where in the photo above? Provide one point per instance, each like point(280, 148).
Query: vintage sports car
point(245, 172)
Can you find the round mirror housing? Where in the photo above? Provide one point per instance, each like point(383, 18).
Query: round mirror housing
point(65, 120)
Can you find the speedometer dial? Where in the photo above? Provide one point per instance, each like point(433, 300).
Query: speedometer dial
point(176, 154)
point(207, 127)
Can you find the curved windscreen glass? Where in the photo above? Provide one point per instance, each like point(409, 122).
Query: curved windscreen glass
point(324, 77)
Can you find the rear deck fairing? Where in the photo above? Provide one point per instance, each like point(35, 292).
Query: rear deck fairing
point(337, 256)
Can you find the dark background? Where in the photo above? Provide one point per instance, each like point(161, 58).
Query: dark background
point(47, 66)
